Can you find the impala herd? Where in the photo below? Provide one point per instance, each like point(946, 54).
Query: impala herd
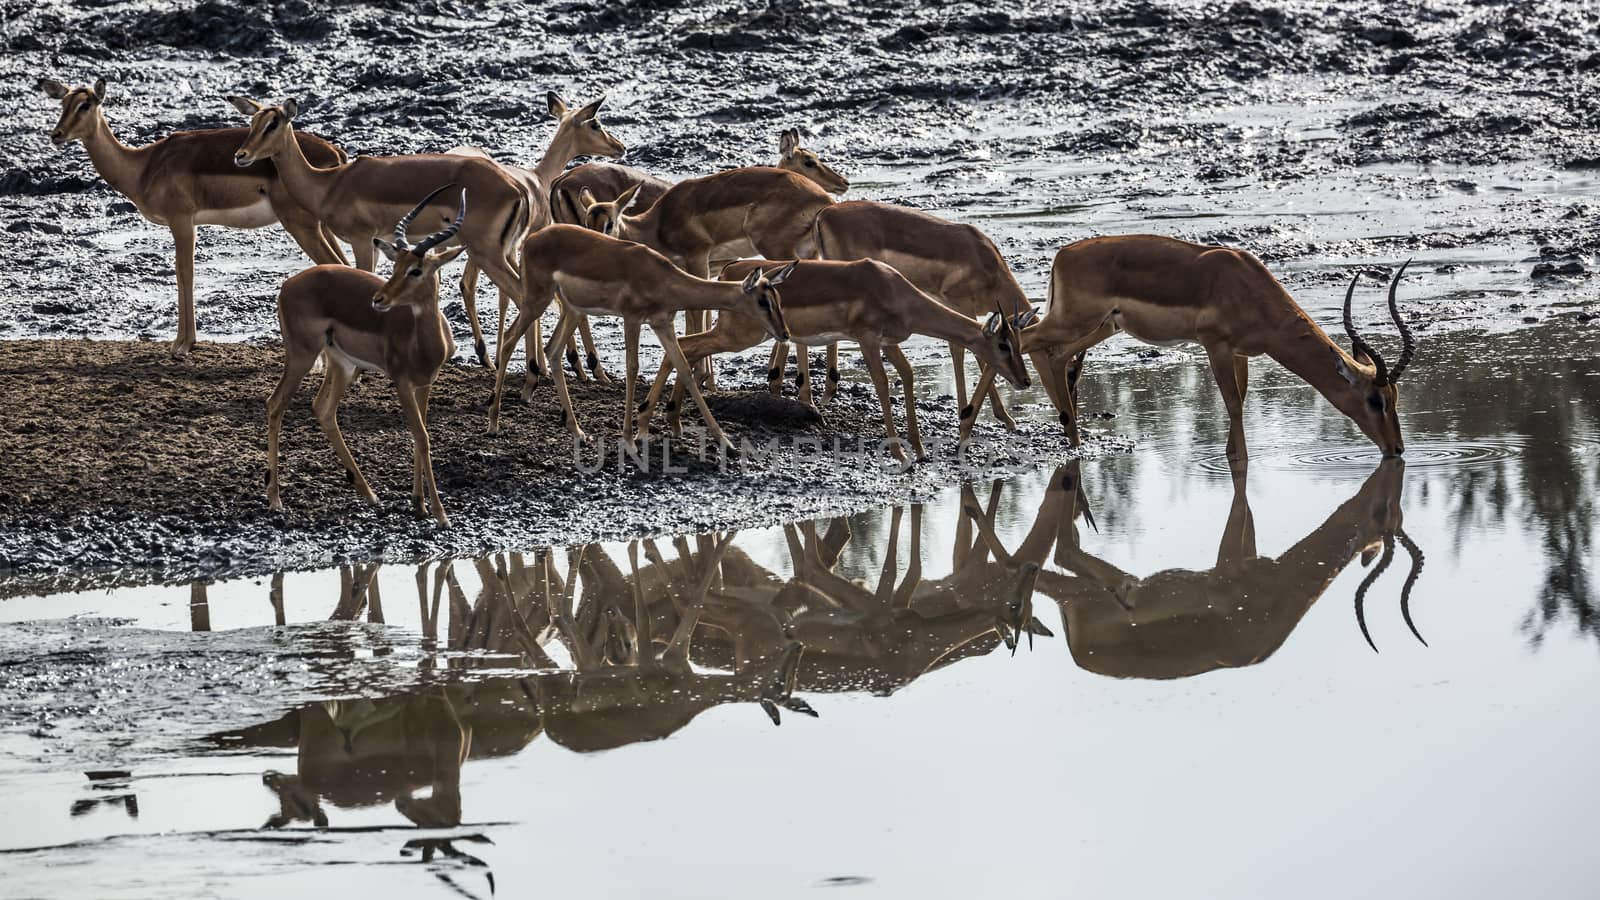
point(605, 239)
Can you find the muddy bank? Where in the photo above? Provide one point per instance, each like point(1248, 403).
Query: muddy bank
point(118, 458)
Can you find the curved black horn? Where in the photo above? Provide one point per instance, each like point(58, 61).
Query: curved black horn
point(408, 218)
point(1361, 590)
point(439, 237)
point(1408, 344)
point(1357, 345)
point(1411, 580)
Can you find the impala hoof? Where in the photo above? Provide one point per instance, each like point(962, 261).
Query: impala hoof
point(483, 353)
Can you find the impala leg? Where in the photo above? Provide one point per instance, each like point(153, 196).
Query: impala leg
point(650, 400)
point(669, 343)
point(295, 367)
point(421, 453)
point(592, 355)
point(564, 329)
point(997, 406)
point(469, 299)
point(675, 403)
point(309, 234)
point(1052, 372)
point(630, 336)
point(903, 367)
point(508, 342)
point(958, 367)
point(872, 353)
point(422, 393)
point(339, 378)
point(366, 254)
point(1222, 368)
point(573, 360)
point(335, 244)
point(183, 240)
point(780, 356)
point(802, 360)
point(832, 374)
point(1241, 374)
point(969, 414)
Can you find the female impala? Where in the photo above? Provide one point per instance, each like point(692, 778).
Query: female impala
point(863, 301)
point(596, 275)
point(360, 199)
point(185, 180)
point(578, 133)
point(1162, 290)
point(355, 320)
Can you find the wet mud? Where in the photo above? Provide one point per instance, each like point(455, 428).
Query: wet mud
point(123, 466)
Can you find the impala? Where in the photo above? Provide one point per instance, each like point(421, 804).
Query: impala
point(754, 211)
point(355, 320)
point(863, 301)
point(1163, 291)
point(363, 198)
point(578, 133)
point(956, 264)
point(1179, 622)
point(598, 275)
point(185, 180)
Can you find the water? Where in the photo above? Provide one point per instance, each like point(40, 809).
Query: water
point(1192, 707)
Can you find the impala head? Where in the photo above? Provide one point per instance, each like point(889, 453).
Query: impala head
point(415, 281)
point(269, 129)
point(1372, 396)
point(581, 129)
point(609, 218)
point(807, 164)
point(761, 289)
point(80, 109)
point(1001, 346)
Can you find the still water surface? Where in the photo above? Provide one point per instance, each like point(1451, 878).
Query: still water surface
point(1192, 708)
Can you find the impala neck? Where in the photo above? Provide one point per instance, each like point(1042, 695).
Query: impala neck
point(307, 184)
point(1307, 351)
point(555, 159)
point(928, 316)
point(698, 293)
point(120, 165)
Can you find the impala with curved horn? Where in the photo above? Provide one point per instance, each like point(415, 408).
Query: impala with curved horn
point(354, 320)
point(1165, 291)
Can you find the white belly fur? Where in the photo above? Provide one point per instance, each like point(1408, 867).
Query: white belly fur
point(337, 356)
point(257, 215)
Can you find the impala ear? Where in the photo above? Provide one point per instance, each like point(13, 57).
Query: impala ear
point(788, 140)
point(290, 109)
point(445, 258)
point(54, 89)
point(779, 276)
point(751, 281)
point(590, 111)
point(992, 324)
point(558, 106)
point(626, 200)
point(99, 88)
point(243, 104)
point(390, 251)
point(1028, 317)
point(1344, 370)
point(586, 199)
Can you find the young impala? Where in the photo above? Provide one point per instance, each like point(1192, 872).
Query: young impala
point(863, 301)
point(186, 179)
point(597, 275)
point(354, 320)
point(1162, 290)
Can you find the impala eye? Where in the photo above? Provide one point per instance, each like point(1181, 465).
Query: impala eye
point(811, 164)
point(1375, 401)
point(270, 125)
point(415, 273)
point(764, 303)
point(84, 106)
point(595, 125)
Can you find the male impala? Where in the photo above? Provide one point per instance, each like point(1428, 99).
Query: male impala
point(363, 198)
point(355, 320)
point(597, 275)
point(863, 301)
point(1162, 290)
point(1179, 622)
point(956, 264)
point(578, 133)
point(184, 180)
